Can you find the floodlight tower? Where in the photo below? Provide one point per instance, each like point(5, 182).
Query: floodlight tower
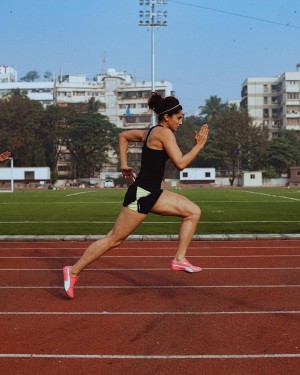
point(150, 17)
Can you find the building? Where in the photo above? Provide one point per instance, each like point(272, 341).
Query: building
point(273, 101)
point(11, 177)
point(197, 176)
point(40, 91)
point(123, 101)
point(252, 179)
point(7, 74)
point(294, 176)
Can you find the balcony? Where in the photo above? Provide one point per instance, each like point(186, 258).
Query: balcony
point(292, 114)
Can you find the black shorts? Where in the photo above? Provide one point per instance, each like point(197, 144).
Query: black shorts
point(140, 200)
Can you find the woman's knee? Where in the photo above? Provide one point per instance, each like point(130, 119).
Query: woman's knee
point(114, 239)
point(194, 211)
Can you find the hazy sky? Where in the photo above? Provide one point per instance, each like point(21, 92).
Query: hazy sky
point(208, 48)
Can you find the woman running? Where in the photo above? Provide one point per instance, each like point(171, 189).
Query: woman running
point(145, 195)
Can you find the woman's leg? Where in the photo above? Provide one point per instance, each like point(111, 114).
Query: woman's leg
point(172, 204)
point(126, 223)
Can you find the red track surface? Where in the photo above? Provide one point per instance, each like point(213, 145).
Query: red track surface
point(132, 315)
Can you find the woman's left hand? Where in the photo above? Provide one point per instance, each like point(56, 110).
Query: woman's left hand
point(201, 136)
point(4, 156)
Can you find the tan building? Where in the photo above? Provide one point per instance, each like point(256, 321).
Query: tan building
point(273, 101)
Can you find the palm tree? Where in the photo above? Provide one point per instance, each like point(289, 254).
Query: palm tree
point(94, 105)
point(212, 108)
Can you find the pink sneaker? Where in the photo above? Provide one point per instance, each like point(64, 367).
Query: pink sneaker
point(184, 265)
point(69, 281)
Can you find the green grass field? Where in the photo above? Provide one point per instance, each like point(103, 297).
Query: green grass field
point(236, 210)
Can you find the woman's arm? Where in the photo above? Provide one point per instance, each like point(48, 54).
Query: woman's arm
point(178, 159)
point(124, 138)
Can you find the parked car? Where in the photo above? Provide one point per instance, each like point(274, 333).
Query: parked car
point(109, 184)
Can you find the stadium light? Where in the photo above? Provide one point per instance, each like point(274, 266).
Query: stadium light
point(152, 18)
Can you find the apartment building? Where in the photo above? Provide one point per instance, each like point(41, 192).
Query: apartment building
point(124, 102)
point(7, 74)
point(273, 101)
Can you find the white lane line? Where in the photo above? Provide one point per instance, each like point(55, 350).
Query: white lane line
point(148, 312)
point(66, 202)
point(155, 269)
point(271, 195)
point(159, 256)
point(171, 356)
point(146, 248)
point(152, 286)
point(147, 222)
point(120, 202)
point(82, 192)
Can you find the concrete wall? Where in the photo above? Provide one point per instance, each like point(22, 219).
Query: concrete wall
point(19, 174)
point(197, 174)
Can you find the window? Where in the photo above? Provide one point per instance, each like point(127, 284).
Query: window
point(293, 95)
point(265, 88)
point(298, 173)
point(64, 168)
point(185, 174)
point(265, 100)
point(274, 88)
point(252, 176)
point(79, 93)
point(207, 174)
point(29, 175)
point(266, 112)
point(293, 121)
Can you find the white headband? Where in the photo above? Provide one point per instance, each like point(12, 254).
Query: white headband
point(170, 109)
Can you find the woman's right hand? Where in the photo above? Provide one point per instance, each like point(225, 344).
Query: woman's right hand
point(129, 174)
point(201, 136)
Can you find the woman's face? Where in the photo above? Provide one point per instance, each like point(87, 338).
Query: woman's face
point(174, 121)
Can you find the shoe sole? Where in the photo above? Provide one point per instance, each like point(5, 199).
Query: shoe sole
point(66, 274)
point(187, 269)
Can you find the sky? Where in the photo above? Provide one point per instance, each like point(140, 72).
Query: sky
point(208, 48)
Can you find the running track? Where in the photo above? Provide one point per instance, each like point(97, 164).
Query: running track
point(132, 315)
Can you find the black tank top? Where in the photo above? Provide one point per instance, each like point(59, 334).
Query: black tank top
point(152, 166)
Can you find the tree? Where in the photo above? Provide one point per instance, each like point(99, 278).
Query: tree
point(255, 151)
point(89, 138)
point(30, 76)
point(280, 155)
point(293, 139)
point(53, 129)
point(94, 105)
point(14, 93)
point(48, 76)
point(238, 141)
point(213, 107)
point(20, 120)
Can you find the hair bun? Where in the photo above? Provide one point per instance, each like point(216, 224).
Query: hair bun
point(155, 101)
